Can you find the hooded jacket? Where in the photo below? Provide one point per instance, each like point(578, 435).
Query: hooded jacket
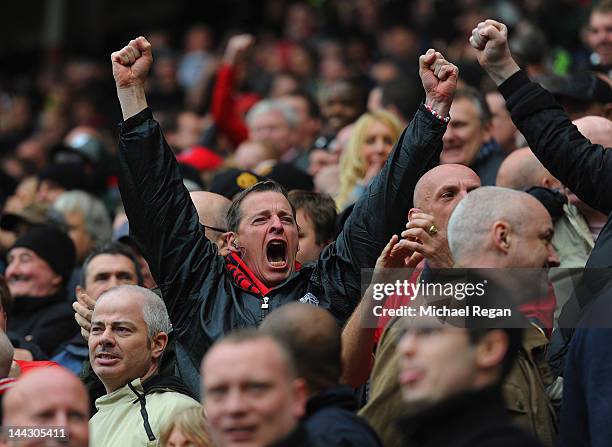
point(205, 298)
point(134, 414)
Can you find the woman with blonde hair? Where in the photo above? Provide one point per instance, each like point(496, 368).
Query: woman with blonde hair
point(186, 428)
point(370, 144)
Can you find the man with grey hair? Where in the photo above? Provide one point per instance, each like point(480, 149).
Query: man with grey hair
point(129, 333)
point(272, 122)
point(468, 139)
point(88, 221)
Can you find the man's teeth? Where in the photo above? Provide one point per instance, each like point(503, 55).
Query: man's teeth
point(277, 263)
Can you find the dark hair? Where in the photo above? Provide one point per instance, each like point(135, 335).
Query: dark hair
point(515, 337)
point(482, 108)
point(602, 7)
point(321, 210)
point(234, 214)
point(112, 248)
point(404, 93)
point(313, 106)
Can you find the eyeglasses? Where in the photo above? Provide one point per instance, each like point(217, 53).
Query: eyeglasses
point(220, 230)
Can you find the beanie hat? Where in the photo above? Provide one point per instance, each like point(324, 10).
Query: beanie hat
point(52, 245)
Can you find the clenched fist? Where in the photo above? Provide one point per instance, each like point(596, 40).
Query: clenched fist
point(131, 64)
point(490, 40)
point(439, 78)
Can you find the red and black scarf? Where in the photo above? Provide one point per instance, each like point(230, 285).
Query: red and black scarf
point(245, 278)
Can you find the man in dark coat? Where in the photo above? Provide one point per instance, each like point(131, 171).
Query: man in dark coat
point(207, 295)
point(39, 266)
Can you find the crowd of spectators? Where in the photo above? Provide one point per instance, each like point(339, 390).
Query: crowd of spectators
point(206, 273)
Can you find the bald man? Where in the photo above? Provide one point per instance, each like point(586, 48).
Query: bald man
point(212, 209)
point(521, 170)
point(49, 397)
point(313, 336)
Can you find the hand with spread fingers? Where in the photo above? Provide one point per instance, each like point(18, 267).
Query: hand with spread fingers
point(422, 236)
point(439, 79)
point(490, 40)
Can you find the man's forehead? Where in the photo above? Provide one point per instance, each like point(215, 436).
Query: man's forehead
point(109, 262)
point(258, 202)
point(117, 305)
point(259, 357)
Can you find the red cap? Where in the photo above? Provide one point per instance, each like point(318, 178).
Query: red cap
point(201, 158)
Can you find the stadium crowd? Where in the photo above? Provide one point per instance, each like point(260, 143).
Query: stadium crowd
point(207, 272)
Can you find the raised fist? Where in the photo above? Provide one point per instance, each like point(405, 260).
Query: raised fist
point(131, 64)
point(490, 40)
point(237, 47)
point(439, 78)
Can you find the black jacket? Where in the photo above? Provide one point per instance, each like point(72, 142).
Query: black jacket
point(585, 168)
point(471, 419)
point(203, 300)
point(45, 321)
point(331, 419)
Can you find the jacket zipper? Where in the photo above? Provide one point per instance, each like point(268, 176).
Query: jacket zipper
point(264, 307)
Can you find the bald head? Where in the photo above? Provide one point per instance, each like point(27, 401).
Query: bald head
point(596, 128)
point(212, 209)
point(521, 170)
point(49, 397)
point(425, 189)
point(500, 227)
point(313, 336)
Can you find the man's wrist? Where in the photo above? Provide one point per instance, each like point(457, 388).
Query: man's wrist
point(500, 73)
point(439, 109)
point(132, 100)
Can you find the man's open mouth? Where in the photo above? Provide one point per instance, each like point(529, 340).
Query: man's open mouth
point(276, 253)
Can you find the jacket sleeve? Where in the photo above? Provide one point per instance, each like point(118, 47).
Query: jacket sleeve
point(223, 106)
point(583, 167)
point(380, 212)
point(163, 220)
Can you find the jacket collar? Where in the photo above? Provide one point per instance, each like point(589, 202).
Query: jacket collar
point(338, 396)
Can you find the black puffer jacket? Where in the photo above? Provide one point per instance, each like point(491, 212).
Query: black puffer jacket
point(202, 297)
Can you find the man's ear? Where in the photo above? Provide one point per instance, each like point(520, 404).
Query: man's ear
point(230, 240)
point(491, 349)
point(487, 129)
point(501, 235)
point(299, 390)
point(158, 345)
point(57, 280)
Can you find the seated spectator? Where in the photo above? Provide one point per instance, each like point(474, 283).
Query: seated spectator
point(87, 219)
point(313, 336)
point(251, 155)
point(129, 333)
point(39, 266)
point(454, 375)
point(316, 219)
point(503, 129)
point(252, 394)
point(598, 36)
point(341, 103)
point(107, 266)
point(273, 122)
point(468, 139)
point(52, 397)
point(187, 428)
point(370, 144)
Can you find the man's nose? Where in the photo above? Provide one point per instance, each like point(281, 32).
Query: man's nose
point(553, 258)
point(407, 344)
point(275, 223)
